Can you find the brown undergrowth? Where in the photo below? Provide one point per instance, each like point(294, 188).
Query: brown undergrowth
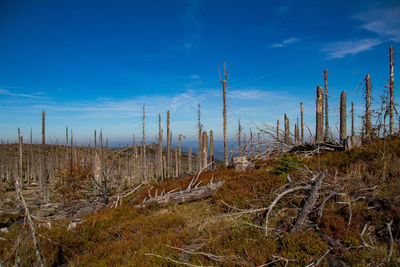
point(206, 233)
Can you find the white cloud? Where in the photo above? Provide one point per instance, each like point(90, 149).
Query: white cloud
point(341, 49)
point(384, 22)
point(8, 93)
point(286, 42)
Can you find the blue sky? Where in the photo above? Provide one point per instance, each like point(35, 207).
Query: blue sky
point(93, 64)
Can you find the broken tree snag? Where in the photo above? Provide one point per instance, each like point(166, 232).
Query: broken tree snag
point(326, 137)
point(352, 119)
point(204, 150)
point(212, 149)
point(277, 131)
point(187, 195)
point(308, 205)
point(343, 134)
point(223, 82)
point(287, 130)
point(319, 115)
point(368, 107)
point(391, 93)
point(301, 121)
point(44, 163)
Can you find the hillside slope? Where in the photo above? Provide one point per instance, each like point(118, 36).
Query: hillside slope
point(352, 219)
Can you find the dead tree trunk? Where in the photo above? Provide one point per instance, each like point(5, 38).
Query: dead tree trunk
point(326, 137)
point(319, 115)
point(343, 134)
point(308, 205)
point(352, 119)
point(144, 145)
point(391, 93)
point(160, 147)
point(168, 148)
point(200, 130)
point(204, 150)
point(240, 149)
point(287, 130)
point(190, 159)
point(44, 167)
point(179, 154)
point(176, 162)
point(20, 157)
point(277, 130)
point(212, 149)
point(368, 107)
point(301, 121)
point(223, 82)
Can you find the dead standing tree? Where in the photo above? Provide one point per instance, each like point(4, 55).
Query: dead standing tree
point(223, 82)
point(144, 146)
point(160, 147)
point(200, 130)
point(391, 93)
point(44, 167)
point(302, 123)
point(168, 147)
point(343, 134)
point(319, 115)
point(287, 130)
point(367, 107)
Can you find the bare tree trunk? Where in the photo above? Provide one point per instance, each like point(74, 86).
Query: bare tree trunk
point(301, 121)
point(160, 147)
point(240, 149)
point(168, 163)
point(212, 149)
point(170, 141)
point(326, 137)
point(277, 130)
point(190, 160)
point(179, 154)
point(352, 119)
point(343, 133)
point(251, 143)
point(391, 93)
point(319, 115)
point(44, 167)
point(200, 130)
point(176, 162)
point(223, 82)
point(20, 157)
point(144, 146)
point(287, 130)
point(31, 159)
point(205, 150)
point(368, 106)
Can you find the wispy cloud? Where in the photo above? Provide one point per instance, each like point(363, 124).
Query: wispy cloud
point(286, 42)
point(8, 93)
point(384, 22)
point(341, 49)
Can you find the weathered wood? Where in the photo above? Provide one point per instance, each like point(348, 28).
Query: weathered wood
point(308, 205)
point(188, 195)
point(367, 122)
point(319, 115)
point(391, 93)
point(343, 122)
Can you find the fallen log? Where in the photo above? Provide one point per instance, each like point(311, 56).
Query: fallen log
point(187, 195)
point(315, 148)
